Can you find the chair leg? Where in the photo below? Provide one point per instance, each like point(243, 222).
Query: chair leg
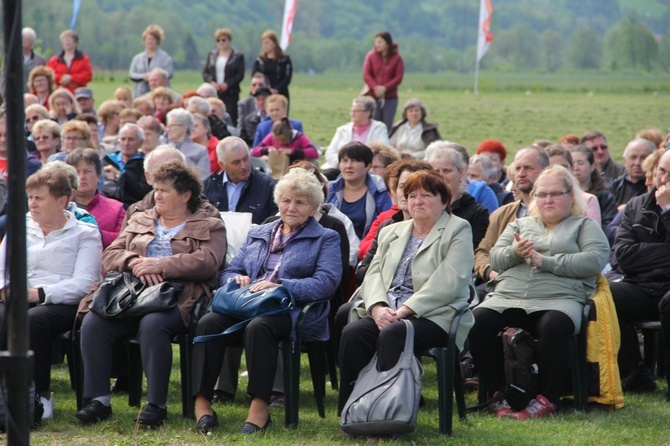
point(458, 388)
point(185, 355)
point(579, 378)
point(445, 388)
point(75, 365)
point(317, 366)
point(291, 383)
point(135, 373)
point(332, 365)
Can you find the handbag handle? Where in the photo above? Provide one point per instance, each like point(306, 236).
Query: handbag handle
point(125, 302)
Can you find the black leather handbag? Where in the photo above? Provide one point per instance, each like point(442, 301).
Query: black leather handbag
point(123, 295)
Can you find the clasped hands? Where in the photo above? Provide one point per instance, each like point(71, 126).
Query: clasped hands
point(383, 315)
point(148, 269)
point(525, 248)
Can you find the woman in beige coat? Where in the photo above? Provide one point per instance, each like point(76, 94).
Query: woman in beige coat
point(420, 272)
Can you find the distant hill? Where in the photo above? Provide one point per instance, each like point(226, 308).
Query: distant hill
point(433, 35)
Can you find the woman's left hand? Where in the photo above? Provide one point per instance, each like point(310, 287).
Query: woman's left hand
point(380, 90)
point(404, 312)
point(535, 258)
point(151, 279)
point(146, 265)
point(66, 79)
point(223, 86)
point(262, 285)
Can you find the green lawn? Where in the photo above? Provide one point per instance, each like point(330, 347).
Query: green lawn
point(514, 109)
point(643, 421)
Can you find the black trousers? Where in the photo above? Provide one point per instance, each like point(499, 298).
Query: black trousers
point(154, 333)
point(637, 303)
point(261, 342)
point(361, 339)
point(552, 329)
point(230, 100)
point(45, 322)
point(340, 321)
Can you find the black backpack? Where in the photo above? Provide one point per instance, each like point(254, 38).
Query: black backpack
point(521, 371)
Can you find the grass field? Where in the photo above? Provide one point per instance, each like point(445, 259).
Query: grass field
point(514, 109)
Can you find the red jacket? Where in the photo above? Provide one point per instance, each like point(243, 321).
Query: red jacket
point(366, 243)
point(80, 69)
point(387, 72)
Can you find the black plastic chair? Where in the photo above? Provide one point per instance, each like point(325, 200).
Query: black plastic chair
point(185, 341)
point(654, 350)
point(449, 376)
point(318, 364)
point(579, 369)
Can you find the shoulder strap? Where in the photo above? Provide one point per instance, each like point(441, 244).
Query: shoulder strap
point(234, 328)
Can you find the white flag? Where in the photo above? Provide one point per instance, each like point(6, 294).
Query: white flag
point(484, 36)
point(290, 8)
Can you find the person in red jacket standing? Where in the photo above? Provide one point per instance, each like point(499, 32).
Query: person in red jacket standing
point(71, 66)
point(382, 72)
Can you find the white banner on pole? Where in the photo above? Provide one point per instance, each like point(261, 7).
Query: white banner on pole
point(290, 9)
point(484, 36)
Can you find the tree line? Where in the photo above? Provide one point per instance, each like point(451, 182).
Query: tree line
point(334, 35)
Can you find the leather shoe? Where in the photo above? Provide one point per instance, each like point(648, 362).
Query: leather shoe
point(207, 423)
point(152, 416)
point(95, 411)
point(251, 428)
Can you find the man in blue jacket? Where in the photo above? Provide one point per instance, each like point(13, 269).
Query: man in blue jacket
point(237, 186)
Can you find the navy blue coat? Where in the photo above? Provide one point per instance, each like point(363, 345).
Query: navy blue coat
point(311, 268)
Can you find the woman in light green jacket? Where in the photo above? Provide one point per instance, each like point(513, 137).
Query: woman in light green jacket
point(548, 264)
point(420, 272)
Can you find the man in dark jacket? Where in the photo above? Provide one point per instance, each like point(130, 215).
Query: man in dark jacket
point(642, 250)
point(633, 182)
point(237, 186)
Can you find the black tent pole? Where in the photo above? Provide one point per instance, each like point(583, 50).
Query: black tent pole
point(17, 360)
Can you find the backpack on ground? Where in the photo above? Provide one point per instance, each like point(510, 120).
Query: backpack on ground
point(521, 371)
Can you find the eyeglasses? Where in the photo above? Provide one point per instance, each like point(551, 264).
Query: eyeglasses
point(602, 147)
point(32, 118)
point(175, 125)
point(222, 39)
point(552, 195)
point(41, 137)
point(73, 138)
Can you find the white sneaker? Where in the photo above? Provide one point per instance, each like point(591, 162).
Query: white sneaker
point(48, 404)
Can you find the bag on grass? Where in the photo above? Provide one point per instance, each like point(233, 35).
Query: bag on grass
point(385, 403)
point(521, 372)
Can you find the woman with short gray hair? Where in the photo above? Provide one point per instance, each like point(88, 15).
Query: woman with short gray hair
point(413, 134)
point(179, 127)
point(362, 128)
point(481, 168)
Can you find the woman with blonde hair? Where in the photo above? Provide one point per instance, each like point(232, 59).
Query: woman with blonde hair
point(224, 70)
point(548, 264)
point(63, 106)
point(274, 64)
point(109, 113)
point(46, 134)
point(152, 57)
point(74, 134)
point(124, 95)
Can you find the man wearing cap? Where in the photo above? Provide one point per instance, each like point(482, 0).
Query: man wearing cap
point(249, 123)
point(248, 104)
point(84, 97)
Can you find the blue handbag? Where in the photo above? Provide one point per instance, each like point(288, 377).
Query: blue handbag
point(240, 303)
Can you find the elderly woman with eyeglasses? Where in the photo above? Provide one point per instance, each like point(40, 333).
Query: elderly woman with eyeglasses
point(548, 264)
point(180, 124)
point(74, 134)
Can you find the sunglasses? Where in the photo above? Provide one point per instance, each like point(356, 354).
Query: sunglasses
point(222, 39)
point(602, 147)
point(32, 118)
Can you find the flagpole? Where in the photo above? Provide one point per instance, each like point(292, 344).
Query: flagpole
point(476, 75)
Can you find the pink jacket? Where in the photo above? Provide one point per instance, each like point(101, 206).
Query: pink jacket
point(109, 214)
point(301, 147)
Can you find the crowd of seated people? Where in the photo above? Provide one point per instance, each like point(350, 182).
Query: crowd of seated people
point(138, 184)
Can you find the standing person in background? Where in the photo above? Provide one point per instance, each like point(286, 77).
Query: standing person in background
point(62, 106)
point(31, 59)
point(383, 70)
point(274, 64)
point(224, 69)
point(71, 66)
point(152, 57)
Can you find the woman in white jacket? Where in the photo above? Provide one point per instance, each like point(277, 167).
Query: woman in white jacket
point(362, 128)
